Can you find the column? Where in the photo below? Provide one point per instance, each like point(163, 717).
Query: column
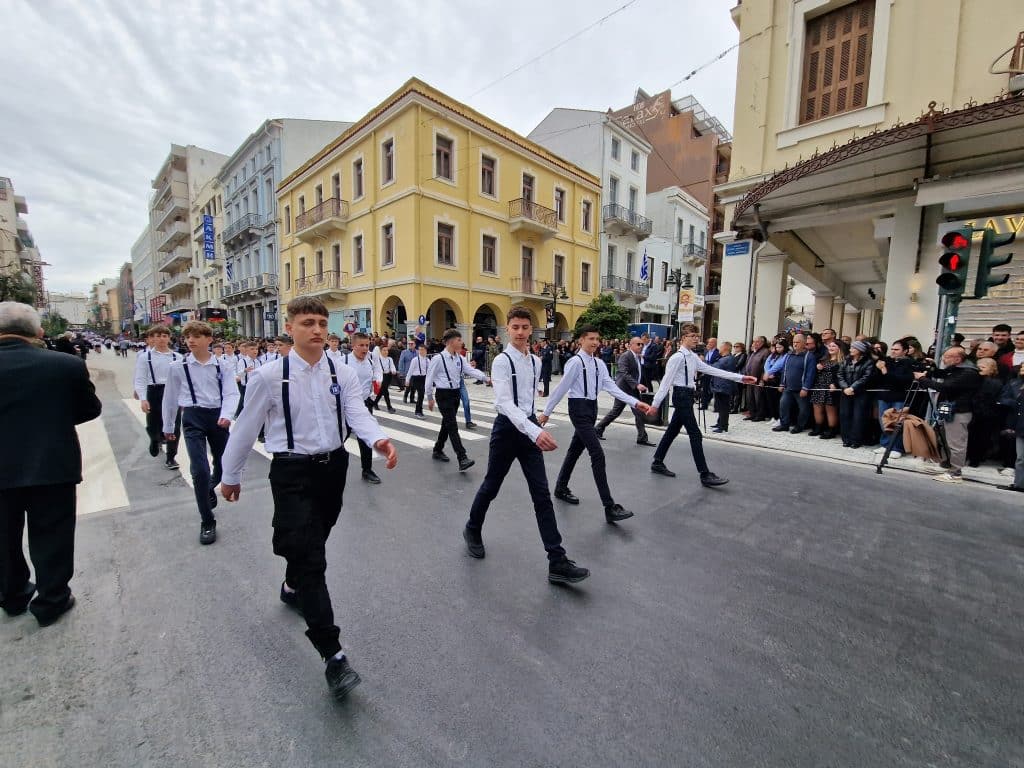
point(466, 329)
point(823, 310)
point(770, 295)
point(902, 315)
point(851, 322)
point(838, 309)
point(737, 278)
point(868, 322)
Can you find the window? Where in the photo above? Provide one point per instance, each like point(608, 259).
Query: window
point(587, 207)
point(837, 61)
point(703, 239)
point(269, 197)
point(616, 148)
point(357, 255)
point(559, 270)
point(270, 257)
point(634, 160)
point(336, 258)
point(302, 268)
point(630, 263)
point(318, 193)
point(528, 182)
point(445, 244)
point(585, 277)
point(611, 259)
point(700, 285)
point(488, 166)
point(560, 205)
point(336, 186)
point(613, 190)
point(288, 277)
point(287, 219)
point(302, 205)
point(664, 275)
point(691, 234)
point(633, 193)
point(357, 179)
point(526, 266)
point(679, 231)
point(443, 158)
point(387, 245)
point(320, 264)
point(488, 255)
point(387, 162)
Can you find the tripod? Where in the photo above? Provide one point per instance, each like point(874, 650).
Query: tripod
point(913, 391)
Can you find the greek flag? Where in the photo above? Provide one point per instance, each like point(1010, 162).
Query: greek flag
point(227, 270)
point(645, 270)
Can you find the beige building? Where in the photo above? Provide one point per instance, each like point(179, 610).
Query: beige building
point(18, 253)
point(863, 131)
point(207, 247)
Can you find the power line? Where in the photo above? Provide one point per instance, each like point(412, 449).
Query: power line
point(720, 56)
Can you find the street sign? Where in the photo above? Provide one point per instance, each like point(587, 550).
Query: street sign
point(739, 248)
point(350, 327)
point(270, 315)
point(423, 319)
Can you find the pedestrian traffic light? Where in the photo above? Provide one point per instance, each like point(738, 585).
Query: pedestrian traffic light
point(987, 259)
point(954, 260)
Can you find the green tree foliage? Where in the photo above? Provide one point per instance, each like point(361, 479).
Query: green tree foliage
point(17, 287)
point(610, 318)
point(54, 324)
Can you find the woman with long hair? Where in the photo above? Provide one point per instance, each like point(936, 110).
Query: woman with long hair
point(772, 377)
point(852, 377)
point(824, 398)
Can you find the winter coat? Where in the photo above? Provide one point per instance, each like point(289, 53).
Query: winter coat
point(898, 376)
point(957, 385)
point(755, 363)
point(1012, 399)
point(722, 386)
point(855, 374)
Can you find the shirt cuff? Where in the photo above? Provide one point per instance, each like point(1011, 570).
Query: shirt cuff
point(533, 431)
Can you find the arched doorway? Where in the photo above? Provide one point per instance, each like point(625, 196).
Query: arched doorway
point(485, 322)
point(561, 329)
point(441, 316)
point(393, 318)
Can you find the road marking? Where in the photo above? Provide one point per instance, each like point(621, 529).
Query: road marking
point(102, 486)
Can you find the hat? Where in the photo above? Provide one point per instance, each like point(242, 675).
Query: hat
point(862, 347)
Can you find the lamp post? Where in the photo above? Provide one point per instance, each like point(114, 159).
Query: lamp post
point(556, 292)
point(680, 281)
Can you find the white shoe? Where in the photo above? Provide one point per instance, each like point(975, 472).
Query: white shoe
point(880, 449)
point(1006, 471)
point(949, 477)
point(895, 455)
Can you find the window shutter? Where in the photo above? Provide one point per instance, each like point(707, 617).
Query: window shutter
point(837, 60)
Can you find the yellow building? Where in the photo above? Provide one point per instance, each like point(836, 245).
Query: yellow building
point(425, 207)
point(864, 130)
point(207, 247)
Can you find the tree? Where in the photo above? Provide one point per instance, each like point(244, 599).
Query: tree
point(54, 324)
point(610, 318)
point(17, 287)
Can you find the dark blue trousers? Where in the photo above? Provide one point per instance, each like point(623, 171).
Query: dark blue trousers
point(507, 445)
point(682, 416)
point(200, 427)
point(583, 414)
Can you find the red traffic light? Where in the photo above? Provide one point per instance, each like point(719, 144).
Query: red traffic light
point(950, 261)
point(956, 240)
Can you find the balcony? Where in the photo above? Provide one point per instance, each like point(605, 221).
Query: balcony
point(330, 216)
point(175, 234)
point(175, 208)
point(165, 185)
point(531, 288)
point(624, 287)
point(531, 218)
point(327, 285)
point(179, 257)
point(250, 287)
point(619, 220)
point(248, 227)
point(694, 255)
point(175, 283)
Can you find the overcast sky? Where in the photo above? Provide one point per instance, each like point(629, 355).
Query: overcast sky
point(94, 93)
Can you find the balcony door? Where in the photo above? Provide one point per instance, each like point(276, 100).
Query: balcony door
point(526, 269)
point(528, 183)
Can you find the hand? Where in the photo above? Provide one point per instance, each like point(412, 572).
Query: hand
point(919, 374)
point(145, 405)
point(880, 365)
point(646, 408)
point(230, 492)
point(546, 442)
point(169, 437)
point(543, 419)
point(750, 379)
point(387, 450)
point(820, 367)
point(430, 403)
point(832, 387)
point(803, 393)
point(225, 423)
point(848, 391)
point(780, 389)
point(641, 388)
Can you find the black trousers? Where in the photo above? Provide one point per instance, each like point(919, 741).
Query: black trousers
point(683, 416)
point(385, 384)
point(416, 387)
point(583, 414)
point(448, 401)
point(241, 399)
point(50, 511)
point(508, 444)
point(201, 428)
point(704, 387)
point(365, 451)
point(155, 419)
point(722, 403)
point(307, 501)
point(617, 407)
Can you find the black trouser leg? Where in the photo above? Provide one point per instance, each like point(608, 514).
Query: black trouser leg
point(611, 416)
point(448, 401)
point(722, 402)
point(583, 413)
point(241, 399)
point(385, 384)
point(14, 572)
point(418, 386)
point(201, 428)
point(307, 501)
point(683, 416)
point(155, 420)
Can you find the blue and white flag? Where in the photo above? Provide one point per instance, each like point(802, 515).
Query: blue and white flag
point(645, 270)
point(227, 270)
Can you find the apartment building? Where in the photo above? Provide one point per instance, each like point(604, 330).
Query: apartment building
point(19, 257)
point(208, 250)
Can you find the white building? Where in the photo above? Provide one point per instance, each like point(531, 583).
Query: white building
point(144, 275)
point(73, 307)
point(597, 144)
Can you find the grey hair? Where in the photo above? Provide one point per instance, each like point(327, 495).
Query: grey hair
point(19, 319)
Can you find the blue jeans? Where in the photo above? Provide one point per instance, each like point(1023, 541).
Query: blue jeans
point(464, 394)
point(803, 405)
point(883, 406)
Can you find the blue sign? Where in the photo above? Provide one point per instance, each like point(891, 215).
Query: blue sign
point(270, 315)
point(423, 319)
point(739, 248)
point(209, 250)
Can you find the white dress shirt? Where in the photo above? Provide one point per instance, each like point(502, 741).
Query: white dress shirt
point(144, 375)
point(583, 365)
point(269, 357)
point(205, 378)
point(418, 366)
point(387, 365)
point(681, 371)
point(527, 370)
point(314, 412)
point(246, 367)
point(365, 371)
point(446, 371)
point(335, 355)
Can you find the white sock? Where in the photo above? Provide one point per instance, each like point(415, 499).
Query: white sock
point(288, 589)
point(339, 656)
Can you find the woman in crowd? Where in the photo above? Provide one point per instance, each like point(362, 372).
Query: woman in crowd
point(824, 398)
point(853, 377)
point(772, 376)
point(986, 417)
point(894, 375)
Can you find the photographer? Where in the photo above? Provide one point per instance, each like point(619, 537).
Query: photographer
point(895, 374)
point(956, 385)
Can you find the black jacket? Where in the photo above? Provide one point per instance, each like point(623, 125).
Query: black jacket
point(898, 377)
point(855, 374)
point(43, 395)
point(1012, 398)
point(957, 385)
point(547, 359)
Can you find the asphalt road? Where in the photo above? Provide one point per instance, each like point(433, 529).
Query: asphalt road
point(808, 614)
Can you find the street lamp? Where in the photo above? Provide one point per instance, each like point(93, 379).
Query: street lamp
point(556, 292)
point(679, 280)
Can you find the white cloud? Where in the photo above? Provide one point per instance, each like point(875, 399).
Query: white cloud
point(95, 92)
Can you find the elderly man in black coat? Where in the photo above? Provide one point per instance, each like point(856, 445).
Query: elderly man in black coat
point(43, 395)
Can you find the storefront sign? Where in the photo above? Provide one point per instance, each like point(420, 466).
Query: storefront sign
point(209, 249)
point(654, 306)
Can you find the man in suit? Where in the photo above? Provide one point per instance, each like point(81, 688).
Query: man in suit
point(628, 380)
point(547, 359)
point(711, 356)
point(43, 395)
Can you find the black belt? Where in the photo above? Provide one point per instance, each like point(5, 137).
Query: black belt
point(685, 389)
point(316, 458)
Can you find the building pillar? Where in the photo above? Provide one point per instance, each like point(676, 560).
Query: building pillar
point(735, 304)
point(770, 292)
point(838, 309)
point(869, 322)
point(822, 310)
point(911, 298)
point(466, 329)
point(851, 322)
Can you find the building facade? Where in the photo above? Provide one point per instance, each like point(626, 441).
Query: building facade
point(619, 158)
point(208, 249)
point(864, 130)
point(148, 301)
point(251, 238)
point(73, 307)
point(427, 209)
point(100, 304)
point(20, 263)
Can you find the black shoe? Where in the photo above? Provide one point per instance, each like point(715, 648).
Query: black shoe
point(465, 463)
point(291, 599)
point(154, 447)
point(341, 678)
point(213, 498)
point(15, 605)
point(208, 533)
point(795, 431)
point(419, 415)
point(600, 436)
point(616, 513)
point(45, 621)
point(828, 434)
point(474, 543)
point(711, 480)
point(660, 469)
point(646, 442)
point(780, 428)
point(440, 456)
point(1010, 487)
point(565, 571)
point(566, 495)
point(717, 429)
point(392, 410)
point(470, 425)
point(171, 464)
point(757, 418)
point(814, 432)
point(371, 477)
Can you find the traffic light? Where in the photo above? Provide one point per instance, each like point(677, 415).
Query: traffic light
point(954, 260)
point(987, 259)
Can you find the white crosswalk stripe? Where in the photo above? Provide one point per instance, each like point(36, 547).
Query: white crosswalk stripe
point(102, 487)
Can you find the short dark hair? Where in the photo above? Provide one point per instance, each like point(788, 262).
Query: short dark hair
point(285, 338)
point(306, 305)
point(451, 333)
point(196, 328)
point(686, 328)
point(360, 335)
point(585, 328)
point(1002, 327)
point(158, 329)
point(519, 312)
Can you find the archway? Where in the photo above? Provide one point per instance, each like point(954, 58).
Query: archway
point(441, 315)
point(561, 329)
point(393, 318)
point(486, 321)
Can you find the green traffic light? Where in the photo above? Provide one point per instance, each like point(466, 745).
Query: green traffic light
point(988, 259)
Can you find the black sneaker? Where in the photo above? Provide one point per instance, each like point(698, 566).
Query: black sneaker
point(616, 513)
point(371, 477)
point(780, 428)
point(465, 463)
point(154, 447)
point(659, 468)
point(341, 678)
point(565, 571)
point(47, 620)
point(566, 495)
point(172, 464)
point(392, 410)
point(470, 425)
point(291, 599)
point(440, 456)
point(474, 543)
point(208, 533)
point(711, 480)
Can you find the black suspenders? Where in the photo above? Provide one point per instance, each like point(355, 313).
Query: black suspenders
point(586, 391)
point(286, 404)
point(451, 384)
point(152, 373)
point(512, 365)
point(192, 389)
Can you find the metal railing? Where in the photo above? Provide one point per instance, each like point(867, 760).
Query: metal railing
point(692, 249)
point(329, 208)
point(324, 281)
point(256, 282)
point(521, 208)
point(246, 222)
point(624, 285)
point(528, 285)
point(632, 218)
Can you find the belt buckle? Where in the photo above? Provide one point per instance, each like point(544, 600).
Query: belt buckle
point(322, 458)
